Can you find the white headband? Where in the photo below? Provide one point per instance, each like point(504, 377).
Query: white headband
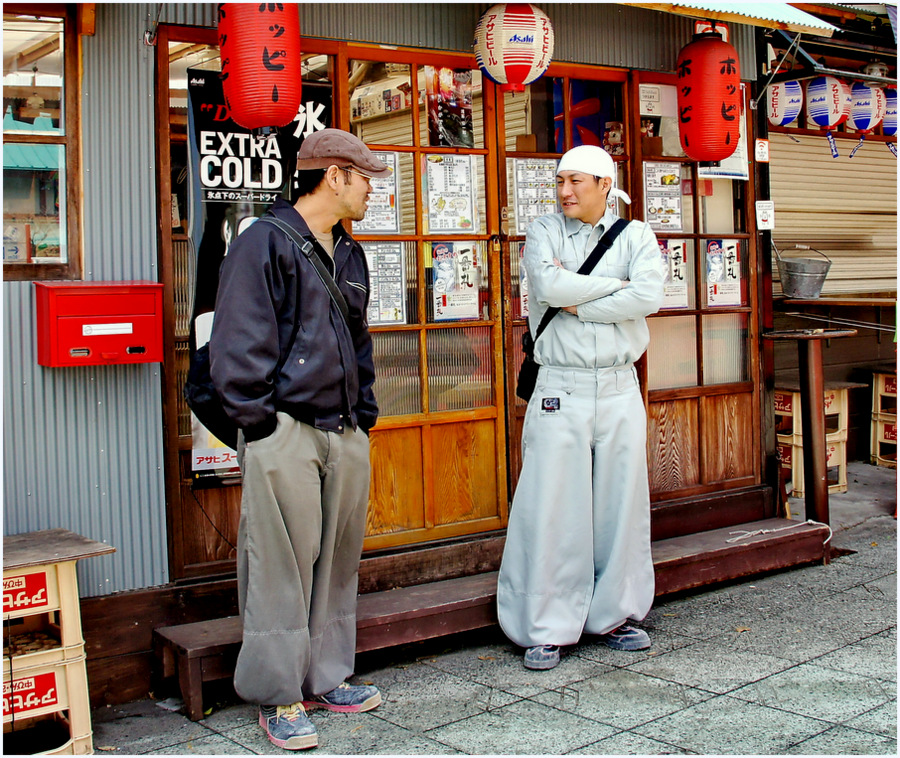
point(590, 159)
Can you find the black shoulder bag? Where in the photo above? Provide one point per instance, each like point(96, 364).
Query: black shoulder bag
point(529, 370)
point(199, 392)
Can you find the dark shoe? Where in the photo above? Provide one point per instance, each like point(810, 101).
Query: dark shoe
point(347, 698)
point(542, 657)
point(626, 638)
point(288, 726)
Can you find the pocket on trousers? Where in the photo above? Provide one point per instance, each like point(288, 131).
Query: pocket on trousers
point(626, 379)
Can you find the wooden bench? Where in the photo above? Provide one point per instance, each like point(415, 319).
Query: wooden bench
point(207, 650)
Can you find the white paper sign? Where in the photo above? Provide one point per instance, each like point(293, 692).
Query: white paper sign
point(765, 214)
point(383, 214)
point(450, 194)
point(534, 189)
point(456, 280)
point(387, 298)
point(723, 272)
point(662, 196)
point(675, 283)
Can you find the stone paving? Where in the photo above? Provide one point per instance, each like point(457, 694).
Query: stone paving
point(800, 662)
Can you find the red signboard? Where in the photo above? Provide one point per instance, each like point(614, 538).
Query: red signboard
point(25, 592)
point(30, 693)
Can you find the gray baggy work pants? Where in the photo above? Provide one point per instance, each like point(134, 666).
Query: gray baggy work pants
point(577, 554)
point(303, 519)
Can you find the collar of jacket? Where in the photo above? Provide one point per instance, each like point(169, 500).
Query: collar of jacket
point(574, 226)
point(342, 241)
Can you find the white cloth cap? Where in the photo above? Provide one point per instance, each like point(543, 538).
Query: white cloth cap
point(590, 159)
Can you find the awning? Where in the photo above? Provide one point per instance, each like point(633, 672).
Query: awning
point(766, 15)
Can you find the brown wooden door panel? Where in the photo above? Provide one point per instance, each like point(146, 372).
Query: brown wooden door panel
point(673, 434)
point(727, 448)
point(397, 496)
point(465, 472)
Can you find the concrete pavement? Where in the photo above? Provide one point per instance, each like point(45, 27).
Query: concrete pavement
point(798, 662)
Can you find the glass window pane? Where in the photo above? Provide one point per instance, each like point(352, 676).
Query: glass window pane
point(33, 99)
point(721, 206)
point(457, 282)
point(725, 272)
point(528, 118)
point(593, 111)
point(34, 203)
point(460, 365)
point(678, 268)
point(451, 107)
point(398, 387)
point(381, 102)
point(672, 355)
point(659, 120)
point(725, 348)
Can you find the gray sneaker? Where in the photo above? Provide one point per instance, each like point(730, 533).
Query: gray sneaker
point(347, 698)
point(542, 657)
point(626, 638)
point(288, 726)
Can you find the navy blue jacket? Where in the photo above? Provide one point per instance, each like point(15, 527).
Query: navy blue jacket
point(326, 379)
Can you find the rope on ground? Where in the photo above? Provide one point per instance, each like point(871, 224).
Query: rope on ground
point(744, 534)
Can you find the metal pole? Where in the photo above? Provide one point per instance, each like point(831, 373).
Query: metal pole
point(812, 410)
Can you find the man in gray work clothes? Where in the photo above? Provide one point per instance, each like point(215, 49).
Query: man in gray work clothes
point(577, 555)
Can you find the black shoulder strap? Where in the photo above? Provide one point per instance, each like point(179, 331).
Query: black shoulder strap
point(306, 247)
point(604, 244)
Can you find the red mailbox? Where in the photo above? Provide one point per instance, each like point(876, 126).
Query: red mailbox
point(98, 323)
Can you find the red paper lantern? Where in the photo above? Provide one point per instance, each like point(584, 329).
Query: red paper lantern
point(709, 98)
point(259, 44)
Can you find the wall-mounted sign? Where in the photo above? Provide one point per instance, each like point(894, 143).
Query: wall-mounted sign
point(383, 213)
point(450, 194)
point(675, 283)
point(387, 296)
point(456, 280)
point(534, 189)
point(662, 196)
point(723, 272)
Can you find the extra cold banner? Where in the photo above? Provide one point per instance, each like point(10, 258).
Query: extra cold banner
point(235, 175)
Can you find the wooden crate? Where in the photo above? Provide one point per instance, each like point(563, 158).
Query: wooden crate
point(791, 458)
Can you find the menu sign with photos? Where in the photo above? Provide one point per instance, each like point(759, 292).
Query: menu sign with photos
point(387, 295)
point(662, 196)
point(450, 194)
point(723, 272)
point(456, 280)
point(383, 214)
point(675, 284)
point(534, 189)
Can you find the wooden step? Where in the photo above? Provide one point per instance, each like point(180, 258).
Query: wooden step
point(206, 650)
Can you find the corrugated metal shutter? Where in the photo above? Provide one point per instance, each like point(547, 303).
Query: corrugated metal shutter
point(845, 208)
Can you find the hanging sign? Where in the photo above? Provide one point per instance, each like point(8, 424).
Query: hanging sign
point(723, 272)
point(662, 196)
point(450, 194)
point(383, 213)
point(455, 280)
point(674, 264)
point(534, 189)
point(387, 290)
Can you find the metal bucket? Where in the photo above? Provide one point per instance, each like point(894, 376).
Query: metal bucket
point(802, 278)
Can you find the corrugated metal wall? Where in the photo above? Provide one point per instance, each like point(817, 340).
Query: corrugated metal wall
point(83, 447)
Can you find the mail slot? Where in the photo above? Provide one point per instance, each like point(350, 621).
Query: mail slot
point(98, 323)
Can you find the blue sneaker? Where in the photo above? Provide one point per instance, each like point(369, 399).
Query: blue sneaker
point(347, 698)
point(542, 657)
point(288, 726)
point(626, 638)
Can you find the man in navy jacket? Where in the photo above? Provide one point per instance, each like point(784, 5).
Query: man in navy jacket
point(296, 378)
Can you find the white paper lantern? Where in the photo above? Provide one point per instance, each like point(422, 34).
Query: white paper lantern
point(513, 44)
point(785, 100)
point(864, 108)
point(889, 126)
point(828, 101)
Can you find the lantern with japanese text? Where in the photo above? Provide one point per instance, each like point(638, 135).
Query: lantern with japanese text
point(709, 98)
point(259, 44)
point(828, 103)
point(513, 45)
point(785, 100)
point(866, 111)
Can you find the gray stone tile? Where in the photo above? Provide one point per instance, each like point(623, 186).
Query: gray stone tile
point(420, 697)
point(523, 728)
point(215, 744)
point(875, 542)
point(812, 690)
point(628, 743)
point(347, 734)
point(143, 727)
point(711, 666)
point(817, 580)
point(859, 616)
point(623, 698)
point(662, 642)
point(881, 720)
point(717, 726)
point(232, 716)
point(843, 741)
point(502, 668)
point(883, 588)
point(874, 656)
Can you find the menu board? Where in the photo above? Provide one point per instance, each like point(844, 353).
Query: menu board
point(662, 196)
point(723, 272)
point(675, 284)
point(456, 280)
point(387, 295)
point(450, 194)
point(534, 189)
point(383, 214)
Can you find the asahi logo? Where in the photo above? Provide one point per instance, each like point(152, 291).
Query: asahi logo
point(198, 82)
point(522, 39)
